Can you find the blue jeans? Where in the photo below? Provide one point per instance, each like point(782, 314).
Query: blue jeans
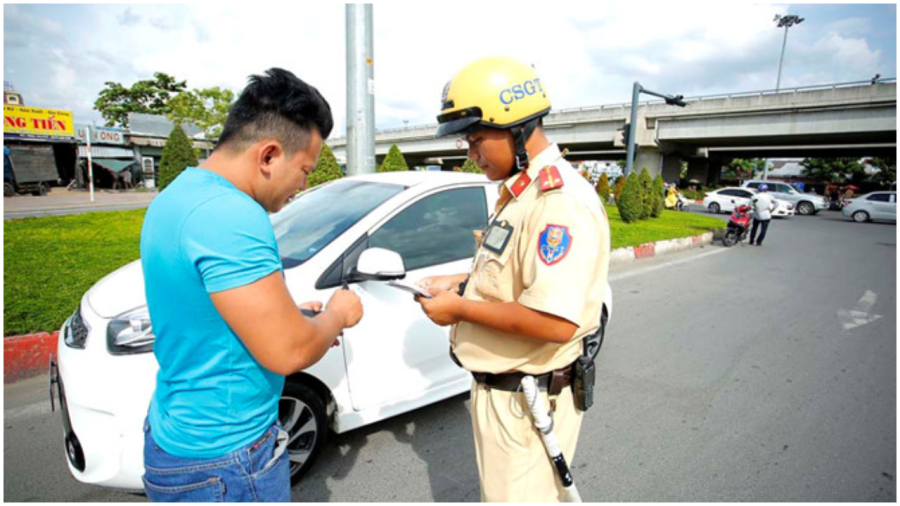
point(258, 472)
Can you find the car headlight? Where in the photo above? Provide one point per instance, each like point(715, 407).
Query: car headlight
point(76, 330)
point(130, 333)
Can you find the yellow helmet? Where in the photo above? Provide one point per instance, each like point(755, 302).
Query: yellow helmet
point(492, 92)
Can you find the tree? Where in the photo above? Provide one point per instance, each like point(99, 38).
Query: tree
point(327, 168)
point(471, 167)
point(620, 186)
point(657, 190)
point(646, 194)
point(207, 108)
point(394, 161)
point(833, 170)
point(603, 188)
point(886, 176)
point(176, 156)
point(150, 96)
point(741, 168)
point(631, 203)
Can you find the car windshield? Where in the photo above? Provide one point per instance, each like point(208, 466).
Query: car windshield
point(318, 216)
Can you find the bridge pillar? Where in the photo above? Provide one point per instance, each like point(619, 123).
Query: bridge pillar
point(671, 167)
point(650, 158)
point(699, 169)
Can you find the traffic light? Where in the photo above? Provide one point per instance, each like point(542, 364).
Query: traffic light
point(625, 132)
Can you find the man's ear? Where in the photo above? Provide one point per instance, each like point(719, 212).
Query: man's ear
point(267, 155)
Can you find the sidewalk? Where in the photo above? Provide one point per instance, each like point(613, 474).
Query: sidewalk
point(61, 201)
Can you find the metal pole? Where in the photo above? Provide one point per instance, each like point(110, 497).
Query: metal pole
point(360, 91)
point(629, 142)
point(90, 164)
point(781, 62)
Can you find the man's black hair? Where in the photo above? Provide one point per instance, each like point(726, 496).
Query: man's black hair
point(277, 105)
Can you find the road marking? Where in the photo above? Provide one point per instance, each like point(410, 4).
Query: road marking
point(859, 316)
point(645, 270)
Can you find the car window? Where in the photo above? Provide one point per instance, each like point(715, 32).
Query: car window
point(729, 193)
point(743, 193)
point(753, 185)
point(319, 215)
point(880, 197)
point(435, 230)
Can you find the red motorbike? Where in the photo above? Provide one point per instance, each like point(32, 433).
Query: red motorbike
point(738, 226)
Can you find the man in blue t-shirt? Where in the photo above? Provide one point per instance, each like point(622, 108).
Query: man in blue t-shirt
point(227, 330)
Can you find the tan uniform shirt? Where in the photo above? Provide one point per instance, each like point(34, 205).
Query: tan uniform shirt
point(556, 261)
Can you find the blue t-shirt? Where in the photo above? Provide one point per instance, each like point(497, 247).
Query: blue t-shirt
point(203, 235)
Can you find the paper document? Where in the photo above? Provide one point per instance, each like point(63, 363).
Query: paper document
point(409, 287)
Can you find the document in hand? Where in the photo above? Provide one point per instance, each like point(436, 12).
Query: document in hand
point(409, 287)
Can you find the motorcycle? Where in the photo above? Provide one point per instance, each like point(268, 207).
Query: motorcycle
point(738, 226)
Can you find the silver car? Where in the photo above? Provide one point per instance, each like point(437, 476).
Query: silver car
point(872, 206)
point(804, 203)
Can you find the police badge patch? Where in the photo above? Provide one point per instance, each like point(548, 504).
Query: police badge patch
point(554, 244)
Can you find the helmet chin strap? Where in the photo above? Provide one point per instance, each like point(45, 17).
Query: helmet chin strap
point(520, 135)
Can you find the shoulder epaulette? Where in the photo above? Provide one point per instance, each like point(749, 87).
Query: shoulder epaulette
point(550, 178)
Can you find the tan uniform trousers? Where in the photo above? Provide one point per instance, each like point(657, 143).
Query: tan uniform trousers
point(512, 462)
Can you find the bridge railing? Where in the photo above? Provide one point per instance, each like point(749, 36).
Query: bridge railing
point(697, 98)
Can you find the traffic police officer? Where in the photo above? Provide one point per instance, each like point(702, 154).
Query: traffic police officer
point(538, 281)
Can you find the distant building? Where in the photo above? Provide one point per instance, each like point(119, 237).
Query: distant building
point(11, 96)
point(149, 132)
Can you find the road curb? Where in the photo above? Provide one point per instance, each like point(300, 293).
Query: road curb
point(27, 356)
point(653, 249)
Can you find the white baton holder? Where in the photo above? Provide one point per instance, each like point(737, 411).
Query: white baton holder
point(544, 425)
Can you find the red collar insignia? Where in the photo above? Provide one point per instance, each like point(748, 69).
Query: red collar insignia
point(550, 179)
point(519, 186)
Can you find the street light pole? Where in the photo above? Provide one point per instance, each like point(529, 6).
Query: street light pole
point(360, 91)
point(636, 91)
point(786, 22)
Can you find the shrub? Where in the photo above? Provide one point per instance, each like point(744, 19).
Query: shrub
point(603, 188)
point(631, 203)
point(327, 168)
point(646, 194)
point(657, 190)
point(394, 161)
point(620, 185)
point(469, 166)
point(177, 155)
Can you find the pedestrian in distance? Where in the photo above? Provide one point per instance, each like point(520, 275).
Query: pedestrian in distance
point(227, 330)
point(537, 285)
point(763, 205)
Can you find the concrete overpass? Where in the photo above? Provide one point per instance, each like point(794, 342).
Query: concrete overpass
point(842, 119)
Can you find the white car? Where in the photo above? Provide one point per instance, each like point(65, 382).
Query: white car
point(804, 203)
point(395, 360)
point(872, 206)
point(724, 200)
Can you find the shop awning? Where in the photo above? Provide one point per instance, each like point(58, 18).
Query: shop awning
point(112, 164)
point(105, 152)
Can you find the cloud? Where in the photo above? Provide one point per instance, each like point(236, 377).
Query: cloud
point(129, 18)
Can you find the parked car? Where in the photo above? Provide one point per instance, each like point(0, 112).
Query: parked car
point(804, 203)
point(724, 200)
point(871, 206)
point(395, 360)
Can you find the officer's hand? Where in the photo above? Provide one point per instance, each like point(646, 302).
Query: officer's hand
point(445, 283)
point(347, 304)
point(443, 307)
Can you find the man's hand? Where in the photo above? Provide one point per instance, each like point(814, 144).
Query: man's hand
point(443, 283)
point(444, 306)
point(346, 304)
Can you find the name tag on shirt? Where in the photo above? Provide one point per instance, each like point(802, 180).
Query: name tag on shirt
point(498, 237)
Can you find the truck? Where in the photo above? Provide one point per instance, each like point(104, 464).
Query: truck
point(33, 171)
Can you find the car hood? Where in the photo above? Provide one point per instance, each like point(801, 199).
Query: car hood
point(120, 291)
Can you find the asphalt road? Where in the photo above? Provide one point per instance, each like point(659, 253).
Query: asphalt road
point(727, 375)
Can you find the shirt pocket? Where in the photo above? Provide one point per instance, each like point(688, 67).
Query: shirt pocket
point(493, 280)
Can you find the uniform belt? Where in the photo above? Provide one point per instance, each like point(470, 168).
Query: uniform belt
point(553, 382)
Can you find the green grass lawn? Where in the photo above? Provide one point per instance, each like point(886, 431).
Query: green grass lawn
point(670, 225)
point(49, 263)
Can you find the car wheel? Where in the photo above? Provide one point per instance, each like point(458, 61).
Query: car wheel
point(805, 208)
point(301, 412)
point(715, 208)
point(860, 216)
point(8, 190)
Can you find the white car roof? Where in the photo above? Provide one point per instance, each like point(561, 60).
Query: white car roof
point(751, 190)
point(421, 177)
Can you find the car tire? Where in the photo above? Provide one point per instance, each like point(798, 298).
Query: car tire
point(8, 190)
point(715, 208)
point(806, 208)
point(860, 216)
point(302, 413)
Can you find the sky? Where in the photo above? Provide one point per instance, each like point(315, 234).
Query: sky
point(587, 54)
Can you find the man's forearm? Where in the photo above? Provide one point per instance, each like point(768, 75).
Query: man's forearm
point(516, 319)
point(328, 325)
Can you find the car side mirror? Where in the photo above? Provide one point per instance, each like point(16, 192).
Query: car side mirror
point(378, 264)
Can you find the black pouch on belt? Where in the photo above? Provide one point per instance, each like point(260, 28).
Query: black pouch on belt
point(583, 383)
